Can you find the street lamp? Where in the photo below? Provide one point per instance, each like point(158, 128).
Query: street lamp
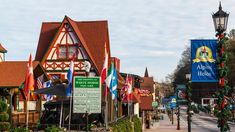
point(188, 94)
point(220, 19)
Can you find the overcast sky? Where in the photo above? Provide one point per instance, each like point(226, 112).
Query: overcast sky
point(143, 33)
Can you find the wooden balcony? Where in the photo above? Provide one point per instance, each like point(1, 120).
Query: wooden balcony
point(19, 119)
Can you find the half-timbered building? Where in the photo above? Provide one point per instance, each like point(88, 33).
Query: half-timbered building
point(86, 40)
point(59, 41)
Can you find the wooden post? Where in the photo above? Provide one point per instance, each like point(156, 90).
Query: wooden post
point(10, 111)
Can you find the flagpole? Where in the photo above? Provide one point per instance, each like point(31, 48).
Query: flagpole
point(128, 104)
point(61, 112)
point(27, 111)
point(70, 108)
point(71, 90)
point(116, 108)
point(128, 95)
point(106, 108)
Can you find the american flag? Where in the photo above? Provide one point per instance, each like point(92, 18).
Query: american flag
point(40, 81)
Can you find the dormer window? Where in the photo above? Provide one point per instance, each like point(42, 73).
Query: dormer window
point(67, 51)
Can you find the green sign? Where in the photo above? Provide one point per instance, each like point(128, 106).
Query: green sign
point(86, 82)
point(154, 104)
point(87, 95)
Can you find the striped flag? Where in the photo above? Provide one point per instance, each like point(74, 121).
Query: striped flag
point(40, 81)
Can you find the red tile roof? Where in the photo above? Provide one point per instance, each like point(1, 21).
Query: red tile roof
point(92, 34)
point(13, 73)
point(2, 49)
point(133, 98)
point(146, 102)
point(148, 84)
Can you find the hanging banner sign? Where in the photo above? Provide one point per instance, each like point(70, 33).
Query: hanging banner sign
point(203, 55)
point(173, 102)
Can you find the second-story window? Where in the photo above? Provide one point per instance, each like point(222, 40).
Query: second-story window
point(67, 51)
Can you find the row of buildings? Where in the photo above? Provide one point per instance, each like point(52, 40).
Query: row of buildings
point(58, 42)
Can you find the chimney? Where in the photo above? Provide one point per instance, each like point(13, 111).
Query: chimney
point(2, 53)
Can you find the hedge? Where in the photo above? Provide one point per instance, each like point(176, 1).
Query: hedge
point(125, 125)
point(4, 126)
point(53, 129)
point(19, 129)
point(4, 117)
point(137, 124)
point(3, 106)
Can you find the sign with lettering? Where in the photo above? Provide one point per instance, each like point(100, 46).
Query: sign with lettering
point(87, 95)
point(173, 102)
point(203, 55)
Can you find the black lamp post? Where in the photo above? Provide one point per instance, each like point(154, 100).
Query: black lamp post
point(188, 96)
point(220, 19)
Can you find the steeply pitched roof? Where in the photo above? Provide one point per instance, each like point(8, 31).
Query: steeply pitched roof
point(2, 49)
point(146, 74)
point(13, 73)
point(92, 34)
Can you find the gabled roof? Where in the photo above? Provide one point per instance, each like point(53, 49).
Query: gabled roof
point(92, 34)
point(2, 49)
point(147, 84)
point(13, 73)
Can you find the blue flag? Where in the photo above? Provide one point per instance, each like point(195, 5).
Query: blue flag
point(70, 78)
point(203, 55)
point(114, 84)
point(48, 84)
point(111, 81)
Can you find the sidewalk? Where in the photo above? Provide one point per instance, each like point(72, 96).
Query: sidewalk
point(165, 125)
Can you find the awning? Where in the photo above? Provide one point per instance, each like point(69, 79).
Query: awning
point(58, 89)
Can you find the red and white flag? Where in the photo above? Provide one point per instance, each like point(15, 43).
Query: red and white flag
point(105, 66)
point(127, 89)
point(29, 79)
point(129, 86)
point(40, 81)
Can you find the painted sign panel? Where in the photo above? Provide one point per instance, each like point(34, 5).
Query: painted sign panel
point(154, 104)
point(181, 93)
point(87, 95)
point(203, 55)
point(173, 102)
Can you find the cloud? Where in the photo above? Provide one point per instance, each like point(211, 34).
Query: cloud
point(142, 32)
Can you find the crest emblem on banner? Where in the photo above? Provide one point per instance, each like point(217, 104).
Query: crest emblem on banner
point(203, 54)
point(203, 58)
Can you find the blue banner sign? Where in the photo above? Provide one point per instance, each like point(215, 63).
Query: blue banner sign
point(173, 102)
point(203, 55)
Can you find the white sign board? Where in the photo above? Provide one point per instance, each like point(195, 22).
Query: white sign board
point(87, 95)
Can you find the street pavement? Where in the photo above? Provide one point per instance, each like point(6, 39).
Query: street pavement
point(165, 125)
point(201, 122)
